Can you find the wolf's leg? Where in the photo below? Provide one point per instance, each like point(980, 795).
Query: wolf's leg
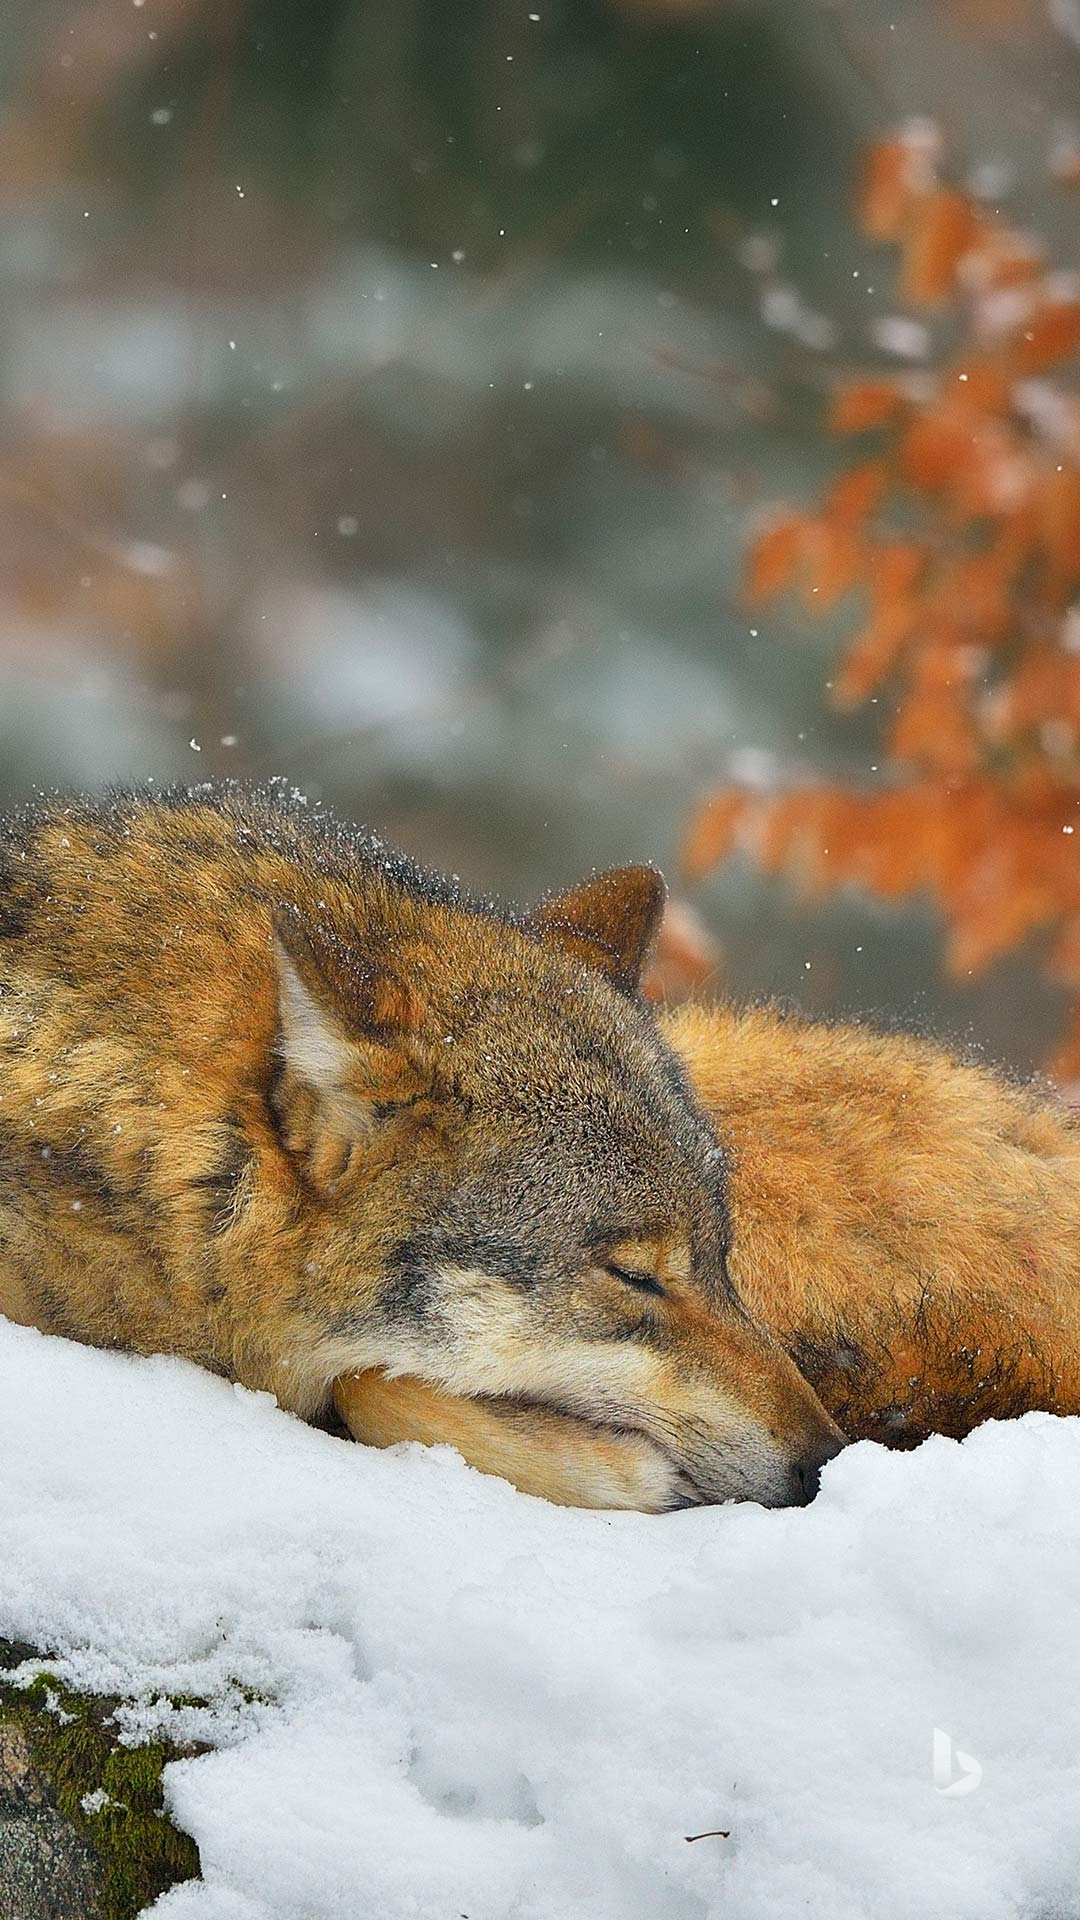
point(549, 1454)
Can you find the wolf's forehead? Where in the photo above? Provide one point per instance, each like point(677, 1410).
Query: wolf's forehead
point(589, 1081)
point(613, 1175)
point(594, 1054)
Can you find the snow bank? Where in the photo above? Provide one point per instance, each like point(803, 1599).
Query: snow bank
point(489, 1707)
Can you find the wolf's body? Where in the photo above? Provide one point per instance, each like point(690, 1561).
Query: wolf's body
point(908, 1227)
point(274, 1100)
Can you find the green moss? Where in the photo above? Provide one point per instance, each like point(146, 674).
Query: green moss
point(75, 1744)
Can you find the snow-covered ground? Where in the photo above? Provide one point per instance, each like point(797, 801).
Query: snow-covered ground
point(480, 1705)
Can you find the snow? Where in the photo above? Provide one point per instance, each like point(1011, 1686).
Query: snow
point(430, 1696)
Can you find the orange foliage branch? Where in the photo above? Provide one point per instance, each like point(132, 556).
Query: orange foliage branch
point(959, 531)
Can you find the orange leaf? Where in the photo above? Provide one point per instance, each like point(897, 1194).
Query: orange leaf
point(773, 557)
point(891, 854)
point(978, 383)
point(1059, 517)
point(872, 655)
point(863, 404)
point(1002, 258)
point(856, 493)
point(934, 730)
point(936, 448)
point(832, 556)
point(894, 173)
point(710, 835)
point(997, 923)
point(1052, 334)
point(997, 476)
point(781, 823)
point(971, 594)
point(893, 570)
point(826, 845)
point(943, 229)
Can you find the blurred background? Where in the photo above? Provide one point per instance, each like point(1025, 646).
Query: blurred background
point(390, 391)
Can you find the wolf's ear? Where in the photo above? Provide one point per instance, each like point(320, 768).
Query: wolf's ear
point(348, 1045)
point(608, 922)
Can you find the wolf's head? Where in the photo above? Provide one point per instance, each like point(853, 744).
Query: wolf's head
point(514, 1196)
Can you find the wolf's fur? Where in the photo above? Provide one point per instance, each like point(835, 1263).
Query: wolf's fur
point(274, 1100)
point(907, 1225)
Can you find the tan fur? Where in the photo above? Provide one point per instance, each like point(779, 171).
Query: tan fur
point(908, 1226)
point(275, 1101)
point(548, 1454)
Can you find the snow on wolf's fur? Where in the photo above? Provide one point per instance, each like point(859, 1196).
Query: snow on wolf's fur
point(484, 1705)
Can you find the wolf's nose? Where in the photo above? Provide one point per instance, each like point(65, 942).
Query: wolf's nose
point(806, 1479)
point(806, 1473)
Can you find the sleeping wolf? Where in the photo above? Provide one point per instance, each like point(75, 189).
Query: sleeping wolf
point(274, 1100)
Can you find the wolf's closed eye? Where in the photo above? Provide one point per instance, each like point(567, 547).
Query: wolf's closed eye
point(644, 1282)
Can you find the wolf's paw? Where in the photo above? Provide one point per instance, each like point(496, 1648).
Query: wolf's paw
point(552, 1455)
